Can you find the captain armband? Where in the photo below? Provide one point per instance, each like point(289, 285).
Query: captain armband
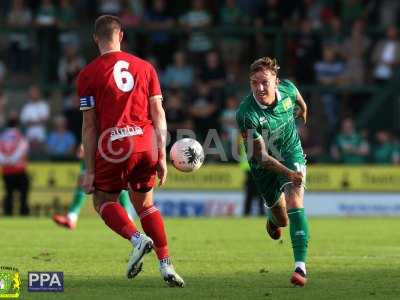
point(87, 102)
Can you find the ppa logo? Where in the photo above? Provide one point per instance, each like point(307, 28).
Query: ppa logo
point(45, 281)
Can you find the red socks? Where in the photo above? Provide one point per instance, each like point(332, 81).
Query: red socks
point(117, 219)
point(153, 226)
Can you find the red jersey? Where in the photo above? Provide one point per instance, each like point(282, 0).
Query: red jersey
point(119, 86)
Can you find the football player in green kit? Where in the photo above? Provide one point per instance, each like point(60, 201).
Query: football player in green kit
point(266, 119)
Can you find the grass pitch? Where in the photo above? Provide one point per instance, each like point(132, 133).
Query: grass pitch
point(221, 258)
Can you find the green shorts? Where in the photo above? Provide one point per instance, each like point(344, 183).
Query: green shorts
point(270, 185)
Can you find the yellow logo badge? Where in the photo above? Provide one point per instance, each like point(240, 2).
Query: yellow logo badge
point(287, 103)
point(10, 282)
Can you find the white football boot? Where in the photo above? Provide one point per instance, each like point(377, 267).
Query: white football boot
point(170, 276)
point(135, 263)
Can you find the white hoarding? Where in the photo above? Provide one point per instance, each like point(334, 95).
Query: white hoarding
point(197, 204)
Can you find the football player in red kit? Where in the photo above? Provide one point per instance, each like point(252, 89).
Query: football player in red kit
point(124, 137)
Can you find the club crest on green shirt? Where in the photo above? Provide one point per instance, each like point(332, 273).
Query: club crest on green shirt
point(287, 103)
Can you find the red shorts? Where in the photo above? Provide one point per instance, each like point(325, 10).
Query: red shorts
point(114, 173)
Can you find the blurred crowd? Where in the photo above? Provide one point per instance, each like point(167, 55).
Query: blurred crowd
point(202, 50)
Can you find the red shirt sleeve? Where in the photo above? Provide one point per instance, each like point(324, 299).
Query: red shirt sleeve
point(86, 96)
point(154, 84)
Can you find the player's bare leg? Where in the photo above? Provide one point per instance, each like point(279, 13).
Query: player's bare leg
point(115, 216)
point(153, 225)
point(277, 218)
point(298, 232)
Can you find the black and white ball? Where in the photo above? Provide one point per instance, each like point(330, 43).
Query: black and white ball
point(187, 155)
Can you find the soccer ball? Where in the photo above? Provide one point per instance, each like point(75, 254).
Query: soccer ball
point(187, 155)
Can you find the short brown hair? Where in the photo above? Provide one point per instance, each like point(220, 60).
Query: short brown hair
point(264, 63)
point(105, 25)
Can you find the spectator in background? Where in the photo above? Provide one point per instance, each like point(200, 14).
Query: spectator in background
point(334, 36)
point(311, 144)
point(386, 56)
point(61, 142)
point(73, 115)
point(388, 11)
point(13, 159)
point(19, 52)
point(3, 102)
point(350, 147)
point(67, 22)
point(351, 11)
point(175, 113)
point(111, 7)
point(213, 73)
point(203, 110)
point(311, 12)
point(130, 15)
point(305, 48)
point(354, 50)
point(68, 68)
point(2, 73)
point(248, 7)
point(329, 72)
point(196, 22)
point(179, 74)
point(160, 23)
point(47, 34)
point(229, 128)
point(231, 17)
point(34, 116)
point(269, 15)
point(385, 151)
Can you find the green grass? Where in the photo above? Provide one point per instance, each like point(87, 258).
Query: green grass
point(219, 259)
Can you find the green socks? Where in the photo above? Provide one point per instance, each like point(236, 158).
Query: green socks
point(125, 201)
point(299, 233)
point(78, 201)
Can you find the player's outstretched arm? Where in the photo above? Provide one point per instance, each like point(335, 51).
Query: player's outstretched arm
point(272, 164)
point(303, 107)
point(89, 141)
point(157, 114)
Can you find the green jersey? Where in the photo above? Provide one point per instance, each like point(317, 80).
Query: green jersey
point(276, 124)
point(346, 144)
point(385, 153)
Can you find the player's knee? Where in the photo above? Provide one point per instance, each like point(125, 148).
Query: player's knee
point(97, 204)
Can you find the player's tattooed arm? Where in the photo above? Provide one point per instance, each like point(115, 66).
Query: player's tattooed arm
point(271, 164)
point(89, 140)
point(157, 114)
point(302, 114)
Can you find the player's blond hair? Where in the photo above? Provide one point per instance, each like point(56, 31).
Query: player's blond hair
point(263, 64)
point(105, 25)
